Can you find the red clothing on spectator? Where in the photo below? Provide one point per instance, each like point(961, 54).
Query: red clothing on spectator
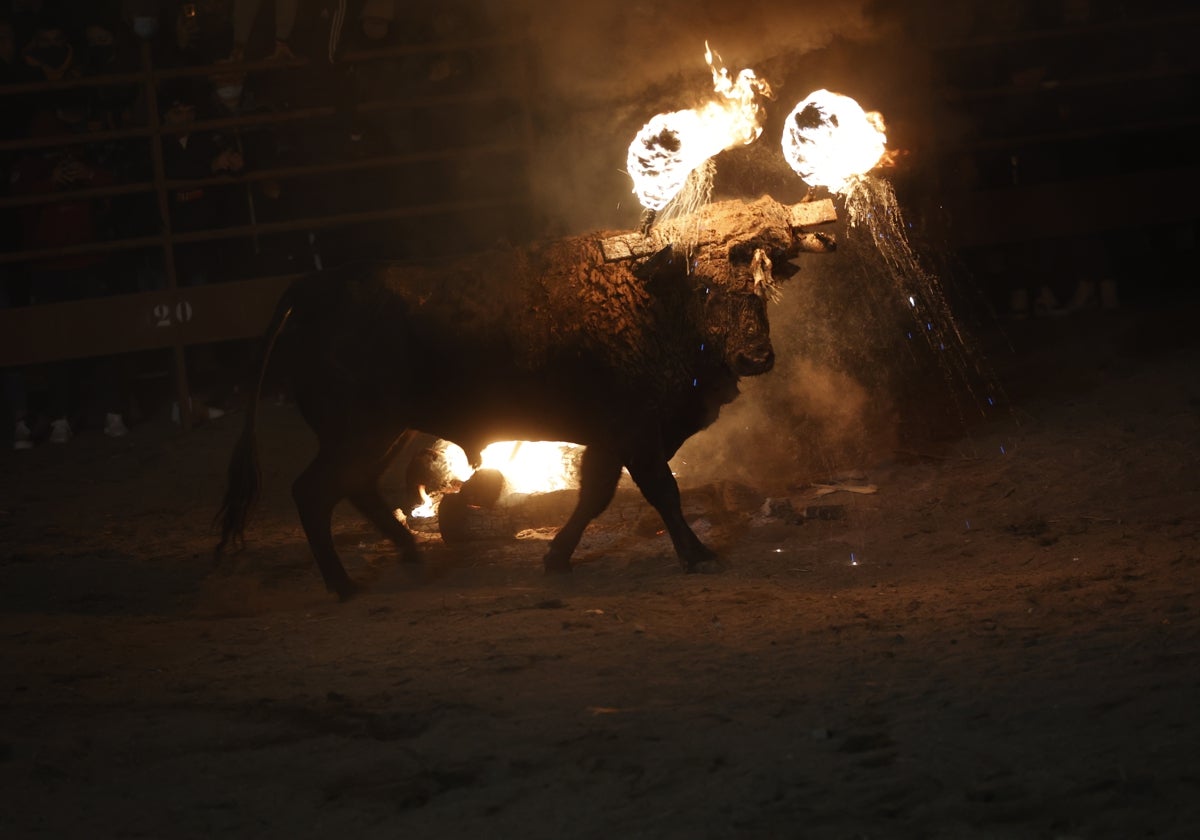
point(62, 223)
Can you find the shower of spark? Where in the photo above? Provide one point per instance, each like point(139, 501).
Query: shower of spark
point(830, 141)
point(671, 146)
point(872, 208)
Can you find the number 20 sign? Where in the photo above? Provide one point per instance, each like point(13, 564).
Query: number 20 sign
point(166, 316)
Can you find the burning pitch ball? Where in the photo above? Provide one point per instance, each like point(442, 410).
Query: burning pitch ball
point(829, 140)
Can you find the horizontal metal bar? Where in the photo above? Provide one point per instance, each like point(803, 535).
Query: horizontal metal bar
point(225, 68)
point(271, 174)
point(142, 321)
point(1070, 208)
point(262, 229)
point(1065, 136)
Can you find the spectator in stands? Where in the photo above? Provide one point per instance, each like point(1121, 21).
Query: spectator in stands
point(103, 52)
point(25, 15)
point(142, 16)
point(11, 69)
point(245, 12)
point(377, 18)
point(204, 30)
point(58, 226)
point(14, 70)
point(194, 155)
point(49, 51)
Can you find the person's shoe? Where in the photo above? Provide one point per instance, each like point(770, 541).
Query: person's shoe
point(200, 412)
point(114, 425)
point(22, 439)
point(282, 52)
point(60, 431)
point(1084, 296)
point(1045, 303)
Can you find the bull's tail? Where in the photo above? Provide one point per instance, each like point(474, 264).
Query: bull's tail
point(241, 491)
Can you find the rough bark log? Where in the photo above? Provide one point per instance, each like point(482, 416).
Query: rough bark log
point(636, 244)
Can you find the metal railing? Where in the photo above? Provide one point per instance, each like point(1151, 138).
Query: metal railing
point(176, 316)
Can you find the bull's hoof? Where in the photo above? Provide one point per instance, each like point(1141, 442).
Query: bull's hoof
point(703, 562)
point(557, 565)
point(346, 590)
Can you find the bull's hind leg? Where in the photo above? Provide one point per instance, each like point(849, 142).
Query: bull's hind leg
point(653, 477)
point(349, 469)
point(346, 468)
point(317, 491)
point(370, 502)
point(599, 473)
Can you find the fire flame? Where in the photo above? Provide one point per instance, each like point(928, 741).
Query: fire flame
point(671, 145)
point(427, 508)
point(527, 466)
point(830, 141)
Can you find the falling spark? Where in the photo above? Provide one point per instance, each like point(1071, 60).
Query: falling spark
point(872, 206)
point(831, 142)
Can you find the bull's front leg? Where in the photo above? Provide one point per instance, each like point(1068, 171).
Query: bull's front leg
point(652, 474)
point(599, 473)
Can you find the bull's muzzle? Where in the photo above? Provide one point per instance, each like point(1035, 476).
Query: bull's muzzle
point(754, 362)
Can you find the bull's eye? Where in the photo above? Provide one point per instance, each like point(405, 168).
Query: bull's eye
point(743, 253)
point(751, 321)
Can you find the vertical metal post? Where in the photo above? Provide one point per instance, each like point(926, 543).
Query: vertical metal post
point(182, 392)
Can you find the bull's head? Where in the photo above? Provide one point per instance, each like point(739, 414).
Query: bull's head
point(740, 252)
point(736, 321)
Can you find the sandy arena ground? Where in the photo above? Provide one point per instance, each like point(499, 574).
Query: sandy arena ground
point(1001, 642)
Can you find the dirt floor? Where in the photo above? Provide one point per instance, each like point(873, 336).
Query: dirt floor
point(1001, 642)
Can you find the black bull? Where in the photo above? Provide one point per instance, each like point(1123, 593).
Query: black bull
point(549, 342)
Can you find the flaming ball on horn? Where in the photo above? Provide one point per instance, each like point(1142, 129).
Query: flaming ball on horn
point(830, 141)
point(672, 145)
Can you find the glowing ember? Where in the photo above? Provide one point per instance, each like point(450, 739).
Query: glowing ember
point(830, 141)
point(527, 466)
point(671, 145)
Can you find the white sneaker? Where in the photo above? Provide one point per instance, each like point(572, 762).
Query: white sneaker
point(22, 439)
point(209, 413)
point(60, 431)
point(114, 425)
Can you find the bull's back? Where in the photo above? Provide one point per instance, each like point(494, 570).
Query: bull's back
point(510, 345)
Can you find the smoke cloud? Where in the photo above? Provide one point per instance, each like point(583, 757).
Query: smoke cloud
point(605, 68)
point(841, 395)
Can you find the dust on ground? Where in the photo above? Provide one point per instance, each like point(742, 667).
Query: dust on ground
point(1001, 642)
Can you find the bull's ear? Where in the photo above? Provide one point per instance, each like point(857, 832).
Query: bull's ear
point(661, 263)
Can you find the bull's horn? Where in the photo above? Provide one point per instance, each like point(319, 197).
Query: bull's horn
point(764, 282)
